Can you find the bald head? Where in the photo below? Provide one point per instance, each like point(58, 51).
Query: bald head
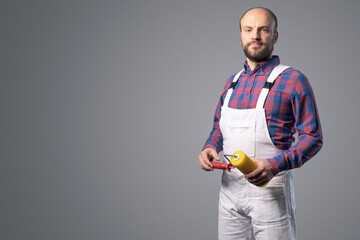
point(258, 11)
point(258, 35)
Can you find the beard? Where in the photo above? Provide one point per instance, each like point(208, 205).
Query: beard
point(260, 54)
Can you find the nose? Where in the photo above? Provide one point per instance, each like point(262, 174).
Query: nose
point(255, 35)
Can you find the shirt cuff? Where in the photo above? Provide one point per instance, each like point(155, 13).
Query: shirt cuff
point(211, 146)
point(274, 166)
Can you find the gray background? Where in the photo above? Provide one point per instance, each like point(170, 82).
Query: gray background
point(105, 106)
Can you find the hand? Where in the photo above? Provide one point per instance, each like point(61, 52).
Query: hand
point(205, 158)
point(262, 174)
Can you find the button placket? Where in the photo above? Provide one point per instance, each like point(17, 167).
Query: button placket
point(247, 92)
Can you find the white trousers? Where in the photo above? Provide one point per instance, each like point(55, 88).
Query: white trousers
point(246, 211)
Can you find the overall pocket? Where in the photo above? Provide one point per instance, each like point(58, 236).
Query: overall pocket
point(243, 136)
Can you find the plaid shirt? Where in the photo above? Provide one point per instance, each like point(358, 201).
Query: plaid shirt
point(290, 107)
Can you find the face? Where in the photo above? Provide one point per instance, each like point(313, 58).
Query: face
point(258, 35)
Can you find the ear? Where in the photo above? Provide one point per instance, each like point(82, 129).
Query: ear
point(276, 35)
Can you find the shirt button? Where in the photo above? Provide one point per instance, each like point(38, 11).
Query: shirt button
point(247, 93)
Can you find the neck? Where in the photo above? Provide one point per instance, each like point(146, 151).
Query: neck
point(252, 64)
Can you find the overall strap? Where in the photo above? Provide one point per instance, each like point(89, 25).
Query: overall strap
point(269, 83)
point(231, 88)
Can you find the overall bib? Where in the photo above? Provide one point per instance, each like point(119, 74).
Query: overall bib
point(245, 210)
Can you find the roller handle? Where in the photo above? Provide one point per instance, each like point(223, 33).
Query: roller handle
point(220, 165)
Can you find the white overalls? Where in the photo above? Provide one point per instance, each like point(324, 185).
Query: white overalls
point(247, 211)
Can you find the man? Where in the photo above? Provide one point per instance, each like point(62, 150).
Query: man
point(259, 111)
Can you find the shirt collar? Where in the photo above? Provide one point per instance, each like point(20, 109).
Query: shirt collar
point(262, 67)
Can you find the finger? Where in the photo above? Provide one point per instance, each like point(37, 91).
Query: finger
point(205, 163)
point(257, 178)
point(261, 180)
point(207, 156)
point(213, 154)
point(256, 174)
point(206, 167)
point(260, 183)
point(206, 159)
point(253, 180)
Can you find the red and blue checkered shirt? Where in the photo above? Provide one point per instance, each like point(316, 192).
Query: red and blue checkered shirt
point(289, 107)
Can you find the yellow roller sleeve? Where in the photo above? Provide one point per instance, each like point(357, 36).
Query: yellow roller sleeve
point(242, 162)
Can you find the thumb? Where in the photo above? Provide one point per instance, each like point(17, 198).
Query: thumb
point(213, 154)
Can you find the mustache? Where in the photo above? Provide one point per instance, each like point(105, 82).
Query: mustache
point(257, 42)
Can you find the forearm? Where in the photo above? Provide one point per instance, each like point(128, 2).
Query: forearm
point(214, 141)
point(306, 148)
